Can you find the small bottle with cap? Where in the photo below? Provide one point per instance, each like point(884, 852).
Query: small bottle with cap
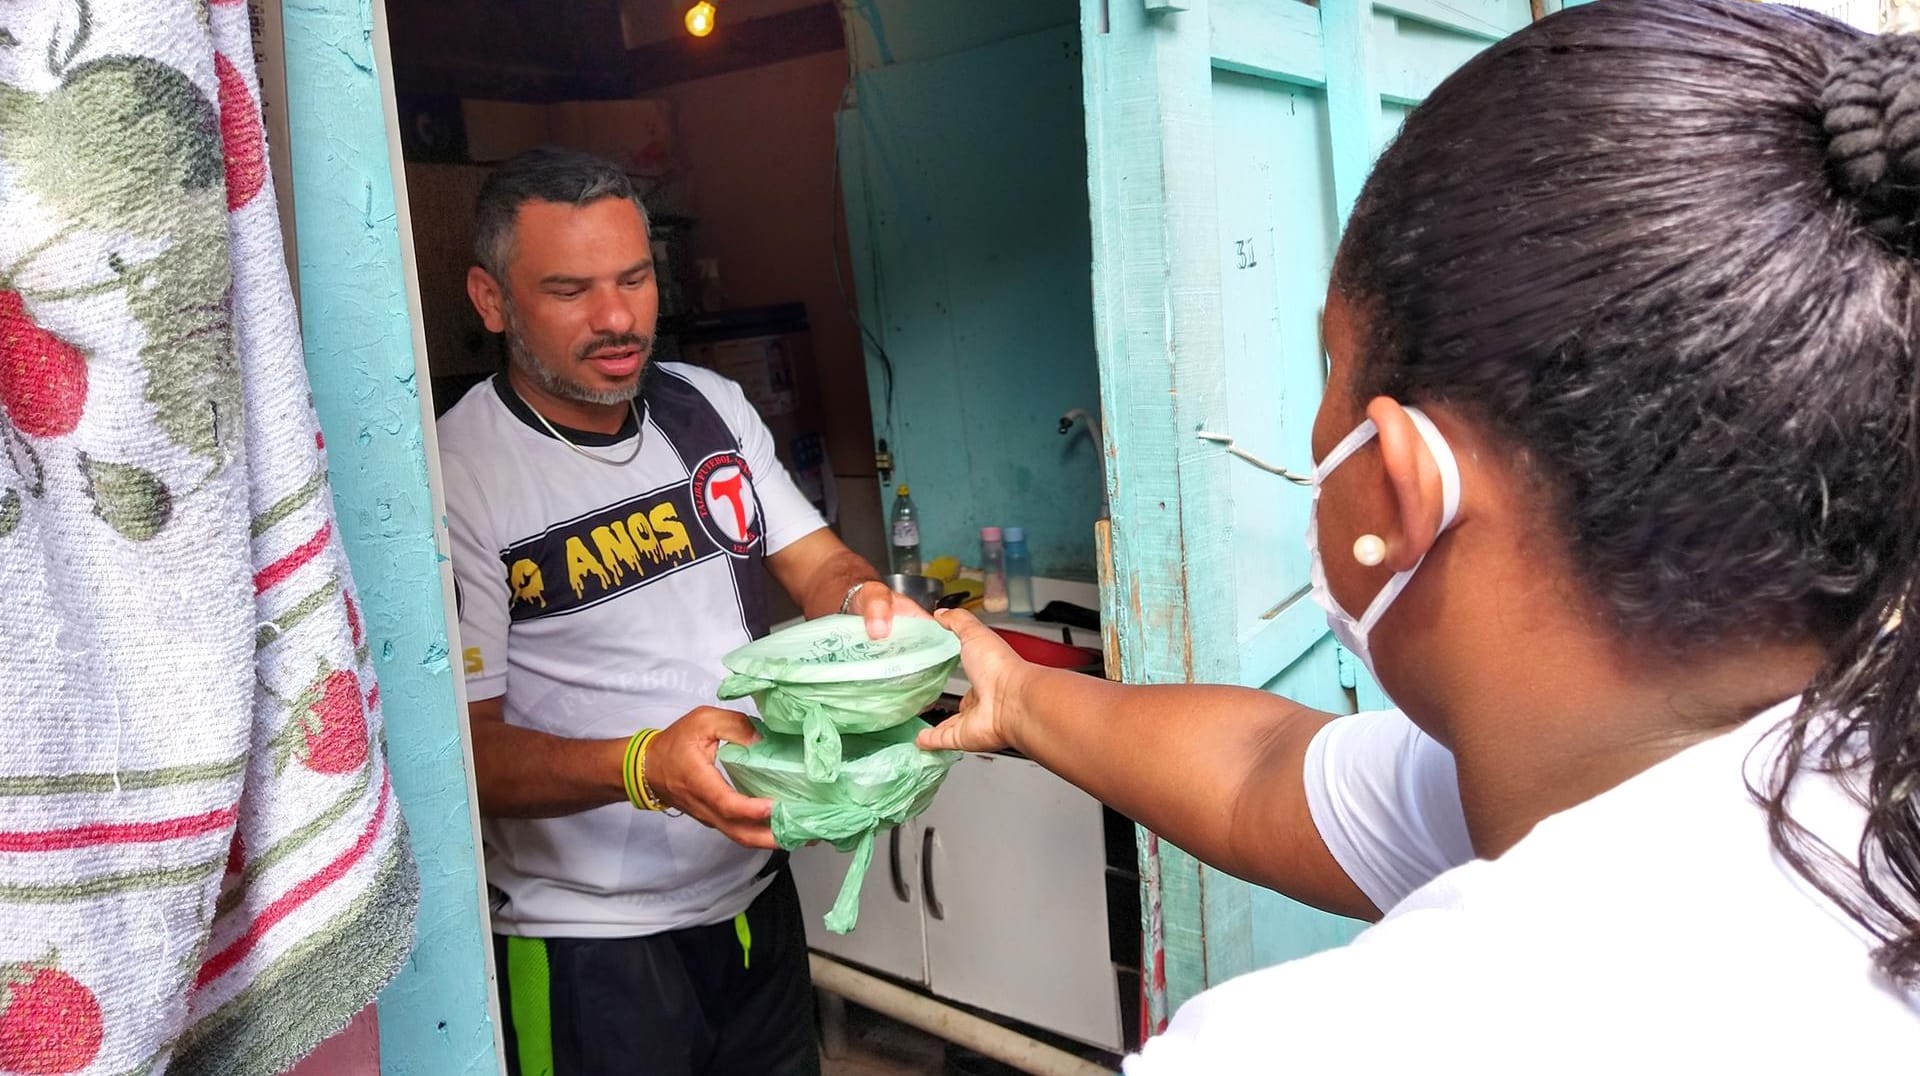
point(1019, 573)
point(993, 571)
point(905, 533)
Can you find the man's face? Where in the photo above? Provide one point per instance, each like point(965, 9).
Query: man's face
point(580, 301)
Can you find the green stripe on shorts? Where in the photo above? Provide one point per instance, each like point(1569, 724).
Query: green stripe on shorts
point(531, 994)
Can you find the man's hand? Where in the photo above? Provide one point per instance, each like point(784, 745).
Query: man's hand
point(682, 772)
point(824, 576)
point(988, 715)
point(878, 604)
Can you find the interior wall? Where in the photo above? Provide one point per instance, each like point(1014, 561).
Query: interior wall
point(524, 50)
point(885, 32)
point(754, 158)
point(442, 198)
point(966, 182)
point(646, 22)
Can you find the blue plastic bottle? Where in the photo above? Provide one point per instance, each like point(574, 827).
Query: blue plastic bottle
point(1019, 573)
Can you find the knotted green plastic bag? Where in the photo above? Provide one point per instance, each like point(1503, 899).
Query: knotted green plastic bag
point(883, 780)
point(823, 678)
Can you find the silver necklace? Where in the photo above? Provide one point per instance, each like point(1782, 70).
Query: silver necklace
point(638, 436)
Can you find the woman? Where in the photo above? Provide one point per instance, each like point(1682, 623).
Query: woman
point(1620, 457)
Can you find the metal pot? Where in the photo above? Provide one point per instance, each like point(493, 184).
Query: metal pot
point(924, 591)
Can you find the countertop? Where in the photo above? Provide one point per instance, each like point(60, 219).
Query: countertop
point(1044, 591)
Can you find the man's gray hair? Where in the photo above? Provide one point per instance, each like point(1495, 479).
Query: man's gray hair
point(547, 174)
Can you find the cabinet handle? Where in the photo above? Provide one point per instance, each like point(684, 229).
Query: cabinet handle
point(934, 907)
point(900, 890)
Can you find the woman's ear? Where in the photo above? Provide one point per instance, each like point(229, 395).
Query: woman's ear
point(1415, 478)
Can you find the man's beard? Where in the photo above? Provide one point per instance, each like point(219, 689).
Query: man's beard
point(557, 384)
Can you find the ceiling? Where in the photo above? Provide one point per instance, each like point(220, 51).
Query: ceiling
point(644, 22)
point(553, 50)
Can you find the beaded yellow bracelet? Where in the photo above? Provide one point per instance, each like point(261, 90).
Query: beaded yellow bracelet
point(634, 772)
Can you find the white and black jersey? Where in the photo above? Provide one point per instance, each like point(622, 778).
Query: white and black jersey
point(599, 599)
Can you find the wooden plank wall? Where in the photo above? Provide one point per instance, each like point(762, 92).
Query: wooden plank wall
point(1228, 140)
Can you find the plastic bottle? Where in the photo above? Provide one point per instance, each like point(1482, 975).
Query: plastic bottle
point(1019, 573)
point(906, 533)
point(712, 299)
point(993, 571)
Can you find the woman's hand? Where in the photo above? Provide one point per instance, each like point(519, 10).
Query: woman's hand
point(993, 710)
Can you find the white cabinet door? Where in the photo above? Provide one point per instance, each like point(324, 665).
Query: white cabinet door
point(1014, 895)
point(888, 937)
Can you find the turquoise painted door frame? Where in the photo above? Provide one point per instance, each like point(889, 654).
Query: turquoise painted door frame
point(363, 359)
point(1227, 140)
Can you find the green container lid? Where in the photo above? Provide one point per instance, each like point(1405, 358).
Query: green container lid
point(824, 678)
point(836, 650)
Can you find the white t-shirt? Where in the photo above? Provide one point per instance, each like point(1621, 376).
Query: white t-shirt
point(1651, 929)
point(1386, 800)
point(599, 599)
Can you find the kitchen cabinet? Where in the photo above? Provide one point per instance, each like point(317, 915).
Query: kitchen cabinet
point(995, 898)
point(891, 935)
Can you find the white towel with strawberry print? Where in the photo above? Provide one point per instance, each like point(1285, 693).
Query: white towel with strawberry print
point(202, 868)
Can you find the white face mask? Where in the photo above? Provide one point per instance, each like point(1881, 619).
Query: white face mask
point(1352, 632)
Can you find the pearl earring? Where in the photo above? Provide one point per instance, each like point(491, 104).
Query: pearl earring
point(1370, 550)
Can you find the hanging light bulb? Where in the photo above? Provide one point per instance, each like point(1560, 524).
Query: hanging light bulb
point(700, 19)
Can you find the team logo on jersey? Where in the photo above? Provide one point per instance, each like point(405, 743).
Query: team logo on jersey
point(588, 560)
point(724, 500)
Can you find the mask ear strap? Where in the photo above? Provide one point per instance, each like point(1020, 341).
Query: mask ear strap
point(1348, 445)
point(1445, 461)
point(1449, 467)
point(1378, 607)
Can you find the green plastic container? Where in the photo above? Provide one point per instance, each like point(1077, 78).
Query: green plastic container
point(883, 779)
point(824, 678)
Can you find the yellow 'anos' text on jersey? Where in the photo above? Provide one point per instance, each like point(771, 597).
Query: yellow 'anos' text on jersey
point(598, 556)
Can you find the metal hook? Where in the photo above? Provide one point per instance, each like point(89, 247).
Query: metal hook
point(1226, 442)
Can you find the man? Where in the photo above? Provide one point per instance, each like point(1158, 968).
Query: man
point(610, 517)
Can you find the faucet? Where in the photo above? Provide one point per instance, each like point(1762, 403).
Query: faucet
point(1099, 446)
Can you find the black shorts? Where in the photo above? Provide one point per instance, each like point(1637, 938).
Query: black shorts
point(733, 999)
